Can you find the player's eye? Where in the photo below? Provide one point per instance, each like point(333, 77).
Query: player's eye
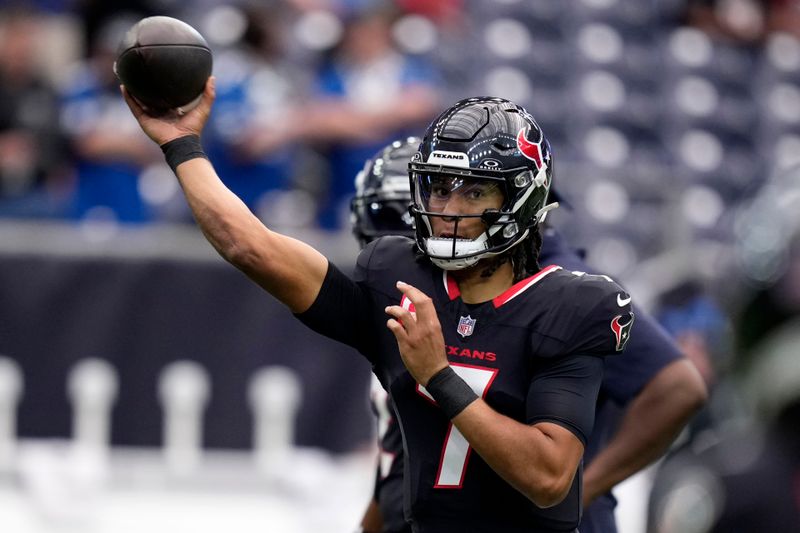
point(480, 191)
point(440, 191)
point(440, 187)
point(476, 193)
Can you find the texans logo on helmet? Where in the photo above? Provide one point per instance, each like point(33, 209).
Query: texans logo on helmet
point(622, 332)
point(531, 150)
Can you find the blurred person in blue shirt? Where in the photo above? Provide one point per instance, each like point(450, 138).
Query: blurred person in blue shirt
point(373, 94)
point(109, 150)
point(255, 87)
point(33, 162)
point(698, 325)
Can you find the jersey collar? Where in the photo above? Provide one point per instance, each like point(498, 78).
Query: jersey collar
point(453, 292)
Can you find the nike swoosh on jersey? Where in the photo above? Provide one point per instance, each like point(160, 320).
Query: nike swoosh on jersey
point(623, 302)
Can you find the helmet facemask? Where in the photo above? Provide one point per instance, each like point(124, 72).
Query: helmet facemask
point(503, 201)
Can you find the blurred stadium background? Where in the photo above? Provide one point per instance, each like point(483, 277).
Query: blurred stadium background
point(132, 386)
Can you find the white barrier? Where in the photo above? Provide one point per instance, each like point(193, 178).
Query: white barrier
point(274, 393)
point(84, 484)
point(11, 387)
point(184, 390)
point(92, 387)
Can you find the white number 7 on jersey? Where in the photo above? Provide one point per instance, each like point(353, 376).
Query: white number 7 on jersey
point(456, 449)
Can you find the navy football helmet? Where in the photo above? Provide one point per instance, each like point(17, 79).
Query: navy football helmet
point(383, 194)
point(489, 140)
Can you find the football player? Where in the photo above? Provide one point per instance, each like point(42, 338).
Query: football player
point(380, 207)
point(483, 351)
point(653, 390)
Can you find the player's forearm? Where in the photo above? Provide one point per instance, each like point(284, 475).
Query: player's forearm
point(290, 270)
point(224, 219)
point(532, 459)
point(650, 425)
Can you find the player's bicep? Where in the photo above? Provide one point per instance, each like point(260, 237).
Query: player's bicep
point(289, 269)
point(341, 311)
point(564, 392)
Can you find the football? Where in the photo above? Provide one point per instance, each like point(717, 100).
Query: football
point(164, 64)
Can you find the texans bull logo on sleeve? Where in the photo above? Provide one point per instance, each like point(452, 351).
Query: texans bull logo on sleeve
point(622, 332)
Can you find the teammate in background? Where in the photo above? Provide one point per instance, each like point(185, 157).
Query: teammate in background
point(653, 389)
point(482, 349)
point(380, 208)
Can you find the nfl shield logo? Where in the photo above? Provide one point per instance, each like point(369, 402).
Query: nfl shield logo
point(466, 325)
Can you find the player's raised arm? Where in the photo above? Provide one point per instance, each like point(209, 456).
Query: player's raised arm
point(290, 270)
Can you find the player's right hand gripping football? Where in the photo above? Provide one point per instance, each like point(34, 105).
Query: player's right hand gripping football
point(166, 128)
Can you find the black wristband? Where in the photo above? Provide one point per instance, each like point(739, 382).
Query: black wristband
point(182, 149)
point(450, 391)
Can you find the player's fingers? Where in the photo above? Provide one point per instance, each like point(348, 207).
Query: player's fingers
point(399, 331)
point(405, 317)
point(210, 91)
point(136, 109)
point(422, 302)
point(211, 87)
point(425, 311)
point(203, 108)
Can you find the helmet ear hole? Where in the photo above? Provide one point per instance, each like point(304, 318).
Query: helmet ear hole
point(523, 179)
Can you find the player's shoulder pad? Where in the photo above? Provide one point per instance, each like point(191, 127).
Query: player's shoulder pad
point(604, 311)
point(382, 254)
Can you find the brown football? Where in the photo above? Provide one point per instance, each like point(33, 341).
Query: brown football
point(164, 63)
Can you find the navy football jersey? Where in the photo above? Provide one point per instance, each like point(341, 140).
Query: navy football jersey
point(650, 350)
point(516, 351)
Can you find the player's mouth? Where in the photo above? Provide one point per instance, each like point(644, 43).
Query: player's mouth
point(451, 235)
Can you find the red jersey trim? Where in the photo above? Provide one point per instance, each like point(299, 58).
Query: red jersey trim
point(453, 292)
point(450, 286)
point(521, 286)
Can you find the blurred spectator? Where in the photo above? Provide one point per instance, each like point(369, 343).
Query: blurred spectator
point(110, 151)
point(368, 93)
point(744, 21)
point(443, 12)
point(741, 21)
point(691, 315)
point(698, 326)
point(747, 478)
point(784, 16)
point(32, 156)
point(255, 87)
point(96, 14)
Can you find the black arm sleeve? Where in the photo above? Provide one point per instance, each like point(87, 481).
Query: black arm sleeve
point(564, 391)
point(341, 311)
